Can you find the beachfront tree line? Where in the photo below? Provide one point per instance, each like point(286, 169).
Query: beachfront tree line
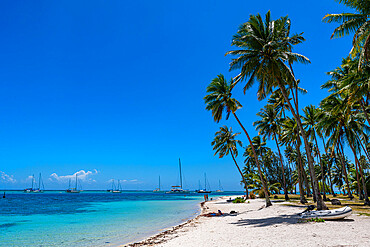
point(264, 55)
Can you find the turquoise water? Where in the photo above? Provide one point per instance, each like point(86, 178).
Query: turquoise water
point(90, 218)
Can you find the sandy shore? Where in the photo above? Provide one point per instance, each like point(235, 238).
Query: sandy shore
point(255, 225)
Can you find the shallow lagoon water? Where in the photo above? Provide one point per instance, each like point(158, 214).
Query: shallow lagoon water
point(90, 218)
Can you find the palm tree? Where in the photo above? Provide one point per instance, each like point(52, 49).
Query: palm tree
point(342, 127)
point(256, 185)
point(225, 143)
point(310, 119)
point(266, 55)
point(353, 82)
point(358, 22)
point(218, 101)
point(269, 126)
point(290, 137)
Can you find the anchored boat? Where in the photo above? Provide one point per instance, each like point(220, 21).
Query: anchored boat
point(39, 189)
point(205, 186)
point(159, 185)
point(178, 188)
point(73, 190)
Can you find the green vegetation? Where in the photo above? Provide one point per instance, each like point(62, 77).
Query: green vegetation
point(315, 220)
point(310, 141)
point(239, 200)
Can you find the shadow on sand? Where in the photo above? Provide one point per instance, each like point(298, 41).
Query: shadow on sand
point(270, 221)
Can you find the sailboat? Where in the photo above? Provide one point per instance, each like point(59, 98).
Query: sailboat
point(115, 189)
point(72, 190)
point(178, 188)
point(41, 187)
point(29, 190)
point(118, 189)
point(220, 189)
point(32, 189)
point(205, 186)
point(159, 185)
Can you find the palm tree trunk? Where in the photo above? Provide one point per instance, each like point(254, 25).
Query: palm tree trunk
point(282, 168)
point(330, 180)
point(367, 202)
point(320, 203)
point(322, 167)
point(304, 174)
point(364, 148)
point(357, 176)
point(241, 174)
point(364, 110)
point(302, 198)
point(344, 168)
point(268, 202)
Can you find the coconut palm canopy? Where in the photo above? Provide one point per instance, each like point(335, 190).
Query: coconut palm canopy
point(313, 139)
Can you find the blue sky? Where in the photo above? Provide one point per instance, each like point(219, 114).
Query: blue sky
point(114, 89)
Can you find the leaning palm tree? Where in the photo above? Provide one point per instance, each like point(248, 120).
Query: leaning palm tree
point(219, 101)
point(225, 143)
point(265, 54)
point(358, 23)
point(269, 127)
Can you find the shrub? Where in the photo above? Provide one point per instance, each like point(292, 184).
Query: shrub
point(315, 220)
point(239, 200)
point(252, 195)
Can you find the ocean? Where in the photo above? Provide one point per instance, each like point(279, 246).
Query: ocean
point(91, 218)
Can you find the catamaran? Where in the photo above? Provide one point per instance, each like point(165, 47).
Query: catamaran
point(159, 185)
point(178, 188)
point(40, 189)
point(72, 190)
point(205, 186)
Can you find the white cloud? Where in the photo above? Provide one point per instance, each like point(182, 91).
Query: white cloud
point(124, 181)
point(5, 178)
point(82, 175)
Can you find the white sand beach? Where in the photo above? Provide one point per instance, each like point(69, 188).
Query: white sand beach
point(255, 225)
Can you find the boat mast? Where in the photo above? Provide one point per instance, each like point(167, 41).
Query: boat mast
point(33, 178)
point(76, 182)
point(40, 181)
point(180, 174)
point(69, 183)
point(205, 182)
point(159, 183)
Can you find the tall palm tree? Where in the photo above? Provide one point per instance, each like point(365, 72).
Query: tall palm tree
point(290, 137)
point(358, 23)
point(265, 54)
point(269, 127)
point(342, 127)
point(225, 143)
point(310, 119)
point(219, 100)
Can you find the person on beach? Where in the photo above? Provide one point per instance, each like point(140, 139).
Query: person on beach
point(219, 213)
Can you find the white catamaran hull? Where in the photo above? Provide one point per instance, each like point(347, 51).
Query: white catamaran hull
point(334, 214)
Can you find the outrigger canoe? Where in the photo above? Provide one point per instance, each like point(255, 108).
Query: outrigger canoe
point(334, 214)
